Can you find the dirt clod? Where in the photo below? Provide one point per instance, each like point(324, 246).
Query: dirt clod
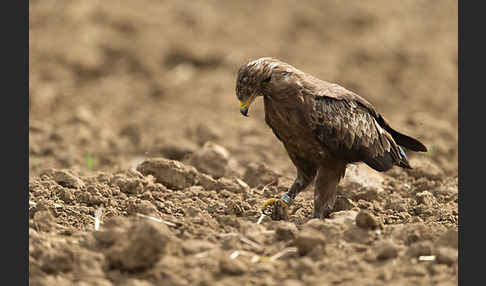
point(308, 241)
point(421, 248)
point(173, 174)
point(386, 250)
point(425, 198)
point(366, 220)
point(64, 178)
point(211, 159)
point(140, 247)
point(285, 231)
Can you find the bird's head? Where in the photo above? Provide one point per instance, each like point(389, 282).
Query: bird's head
point(251, 78)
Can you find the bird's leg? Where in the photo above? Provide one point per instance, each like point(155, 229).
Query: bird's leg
point(325, 191)
point(279, 207)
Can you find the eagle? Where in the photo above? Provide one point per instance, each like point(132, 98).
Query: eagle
point(323, 126)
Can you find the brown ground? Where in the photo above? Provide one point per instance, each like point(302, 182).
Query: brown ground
point(117, 86)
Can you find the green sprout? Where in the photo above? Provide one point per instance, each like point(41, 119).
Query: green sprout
point(90, 161)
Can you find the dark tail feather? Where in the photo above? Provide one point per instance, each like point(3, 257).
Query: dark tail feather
point(402, 139)
point(407, 141)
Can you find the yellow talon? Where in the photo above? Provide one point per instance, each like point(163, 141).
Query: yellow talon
point(273, 207)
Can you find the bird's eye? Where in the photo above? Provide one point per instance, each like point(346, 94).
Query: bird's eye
point(267, 80)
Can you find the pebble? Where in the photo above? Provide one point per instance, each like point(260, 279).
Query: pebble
point(173, 174)
point(425, 198)
point(386, 250)
point(366, 220)
point(64, 178)
point(211, 159)
point(285, 231)
point(307, 240)
point(421, 248)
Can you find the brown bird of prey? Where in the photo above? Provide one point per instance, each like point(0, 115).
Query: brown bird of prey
point(323, 126)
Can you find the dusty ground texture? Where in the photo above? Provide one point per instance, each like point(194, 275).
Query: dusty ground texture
point(134, 124)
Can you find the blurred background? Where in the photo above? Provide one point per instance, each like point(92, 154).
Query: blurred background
point(112, 83)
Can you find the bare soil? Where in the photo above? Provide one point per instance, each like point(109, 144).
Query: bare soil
point(134, 125)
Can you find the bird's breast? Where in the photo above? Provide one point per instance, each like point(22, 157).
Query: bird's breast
point(290, 125)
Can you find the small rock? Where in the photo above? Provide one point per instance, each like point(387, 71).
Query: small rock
point(386, 250)
point(285, 231)
point(67, 195)
point(232, 266)
point(258, 174)
point(366, 220)
point(446, 255)
point(127, 185)
point(425, 198)
point(421, 248)
point(140, 247)
point(308, 240)
point(211, 159)
point(64, 178)
point(140, 206)
point(173, 174)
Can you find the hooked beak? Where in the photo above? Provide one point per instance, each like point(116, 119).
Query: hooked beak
point(244, 106)
point(244, 111)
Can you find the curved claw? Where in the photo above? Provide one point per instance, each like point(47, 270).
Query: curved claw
point(277, 209)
